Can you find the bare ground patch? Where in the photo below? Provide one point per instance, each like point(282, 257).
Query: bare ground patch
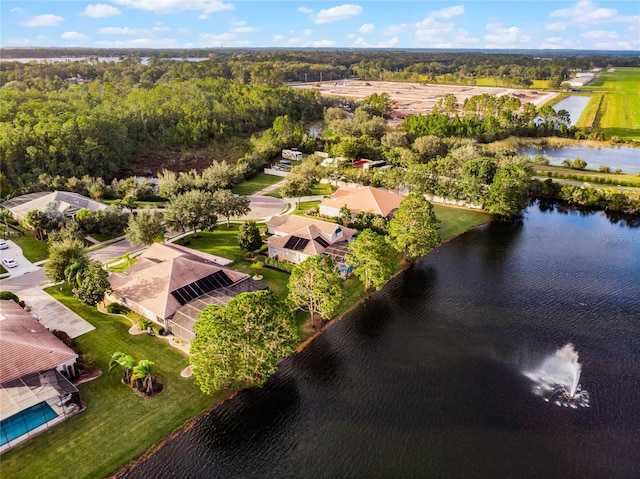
point(418, 98)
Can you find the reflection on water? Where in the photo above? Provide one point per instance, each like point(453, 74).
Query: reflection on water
point(625, 158)
point(425, 379)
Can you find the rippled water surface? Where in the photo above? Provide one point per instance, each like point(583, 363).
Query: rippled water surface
point(625, 158)
point(426, 378)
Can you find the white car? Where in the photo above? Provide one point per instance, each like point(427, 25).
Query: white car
point(9, 262)
point(3, 244)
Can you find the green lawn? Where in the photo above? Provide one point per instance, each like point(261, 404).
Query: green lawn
point(33, 249)
point(590, 113)
point(117, 425)
point(619, 112)
point(222, 241)
point(454, 221)
point(304, 206)
point(495, 82)
point(255, 184)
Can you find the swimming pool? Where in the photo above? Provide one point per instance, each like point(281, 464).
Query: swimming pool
point(15, 426)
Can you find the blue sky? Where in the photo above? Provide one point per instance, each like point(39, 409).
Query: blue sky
point(541, 24)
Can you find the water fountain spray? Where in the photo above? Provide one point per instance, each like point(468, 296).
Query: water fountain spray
point(557, 379)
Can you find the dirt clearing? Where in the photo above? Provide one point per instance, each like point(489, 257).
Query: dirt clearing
point(418, 98)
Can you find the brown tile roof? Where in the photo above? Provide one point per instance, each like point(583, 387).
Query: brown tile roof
point(162, 269)
point(290, 224)
point(301, 227)
point(367, 199)
point(26, 346)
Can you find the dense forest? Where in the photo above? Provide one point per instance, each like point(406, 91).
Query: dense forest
point(97, 118)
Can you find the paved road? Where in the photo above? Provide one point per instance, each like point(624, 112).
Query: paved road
point(27, 281)
point(24, 265)
point(263, 207)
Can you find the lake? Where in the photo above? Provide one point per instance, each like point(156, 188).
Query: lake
point(426, 379)
point(624, 158)
point(574, 105)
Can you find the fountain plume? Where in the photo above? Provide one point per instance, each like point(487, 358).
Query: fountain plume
point(557, 379)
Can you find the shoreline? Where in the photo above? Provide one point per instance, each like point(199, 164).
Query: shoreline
point(190, 423)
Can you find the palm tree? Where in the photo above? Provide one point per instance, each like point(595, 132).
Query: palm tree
point(142, 373)
point(127, 362)
point(73, 273)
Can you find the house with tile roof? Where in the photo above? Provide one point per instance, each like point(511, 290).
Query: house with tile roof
point(171, 284)
point(35, 393)
point(359, 200)
point(295, 238)
point(67, 202)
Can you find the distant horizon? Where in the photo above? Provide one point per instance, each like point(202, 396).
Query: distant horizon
point(579, 25)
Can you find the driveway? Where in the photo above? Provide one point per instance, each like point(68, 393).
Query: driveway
point(113, 251)
point(24, 265)
point(263, 207)
point(27, 281)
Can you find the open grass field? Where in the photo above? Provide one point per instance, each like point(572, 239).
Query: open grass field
point(495, 82)
point(255, 184)
point(590, 113)
point(619, 112)
point(117, 425)
point(454, 221)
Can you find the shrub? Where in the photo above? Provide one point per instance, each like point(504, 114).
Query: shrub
point(117, 308)
point(605, 169)
point(579, 164)
point(86, 363)
point(280, 265)
point(65, 338)
point(8, 295)
point(143, 323)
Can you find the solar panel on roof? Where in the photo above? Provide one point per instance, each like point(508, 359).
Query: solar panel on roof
point(321, 241)
point(296, 243)
point(202, 286)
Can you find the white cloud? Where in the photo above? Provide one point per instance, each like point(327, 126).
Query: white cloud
point(447, 12)
point(323, 43)
point(395, 29)
point(245, 29)
point(586, 12)
point(217, 37)
point(341, 12)
point(307, 32)
point(18, 42)
point(500, 37)
point(139, 42)
point(557, 27)
point(304, 10)
point(73, 36)
point(554, 43)
point(367, 28)
point(16, 10)
point(160, 27)
point(294, 41)
point(429, 32)
point(120, 31)
point(100, 10)
point(46, 20)
point(278, 38)
point(389, 43)
point(206, 7)
point(42, 37)
point(600, 35)
point(360, 43)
